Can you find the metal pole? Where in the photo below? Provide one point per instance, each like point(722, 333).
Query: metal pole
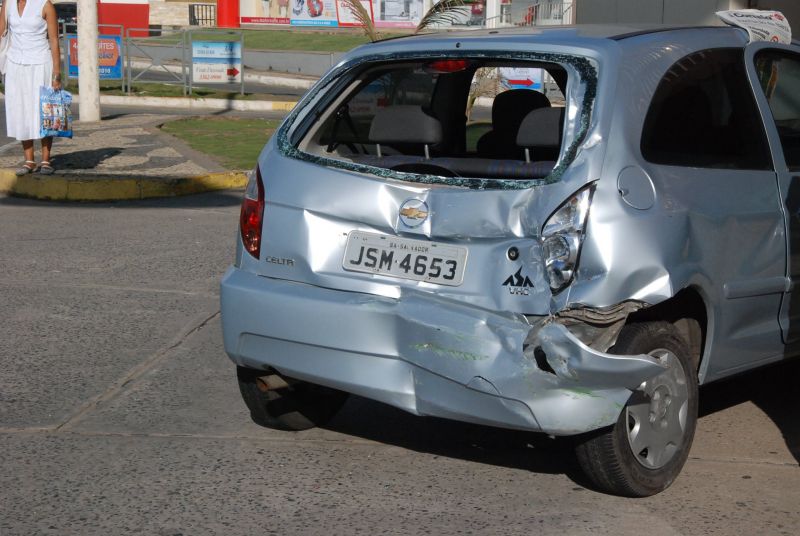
point(88, 81)
point(128, 59)
point(122, 54)
point(183, 60)
point(65, 51)
point(241, 58)
point(191, 55)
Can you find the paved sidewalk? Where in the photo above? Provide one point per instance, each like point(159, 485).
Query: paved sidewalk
point(128, 157)
point(120, 157)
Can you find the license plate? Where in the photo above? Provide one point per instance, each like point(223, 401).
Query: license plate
point(419, 260)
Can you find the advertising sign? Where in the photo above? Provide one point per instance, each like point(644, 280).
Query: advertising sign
point(215, 62)
point(385, 13)
point(109, 52)
point(521, 78)
point(345, 14)
point(398, 13)
point(264, 11)
point(313, 13)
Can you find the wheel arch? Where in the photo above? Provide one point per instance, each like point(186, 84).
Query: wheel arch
point(689, 312)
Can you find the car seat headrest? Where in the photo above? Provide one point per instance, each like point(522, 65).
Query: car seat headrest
point(542, 128)
point(405, 124)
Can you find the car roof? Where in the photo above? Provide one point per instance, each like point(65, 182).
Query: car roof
point(602, 31)
point(584, 34)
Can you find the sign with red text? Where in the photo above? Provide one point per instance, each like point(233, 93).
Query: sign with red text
point(215, 62)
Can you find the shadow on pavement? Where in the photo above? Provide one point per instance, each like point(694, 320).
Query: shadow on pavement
point(440, 437)
point(771, 389)
point(88, 159)
point(221, 198)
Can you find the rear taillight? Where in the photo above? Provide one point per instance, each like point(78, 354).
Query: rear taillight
point(252, 215)
point(562, 236)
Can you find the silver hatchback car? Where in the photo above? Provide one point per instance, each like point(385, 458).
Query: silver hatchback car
point(576, 266)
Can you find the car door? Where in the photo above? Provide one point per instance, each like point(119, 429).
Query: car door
point(775, 73)
point(706, 150)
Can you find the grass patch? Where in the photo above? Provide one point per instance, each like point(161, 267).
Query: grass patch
point(308, 41)
point(233, 142)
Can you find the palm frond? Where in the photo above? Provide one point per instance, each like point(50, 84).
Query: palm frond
point(444, 12)
point(362, 15)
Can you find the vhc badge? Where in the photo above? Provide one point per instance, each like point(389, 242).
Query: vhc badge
point(413, 212)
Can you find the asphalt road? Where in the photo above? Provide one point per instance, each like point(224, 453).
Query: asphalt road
point(120, 414)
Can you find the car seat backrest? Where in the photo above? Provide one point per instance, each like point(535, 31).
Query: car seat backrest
point(405, 124)
point(541, 133)
point(510, 107)
point(508, 110)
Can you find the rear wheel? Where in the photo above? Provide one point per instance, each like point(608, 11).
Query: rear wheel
point(276, 401)
point(645, 450)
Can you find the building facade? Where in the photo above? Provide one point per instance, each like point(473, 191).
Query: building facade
point(676, 12)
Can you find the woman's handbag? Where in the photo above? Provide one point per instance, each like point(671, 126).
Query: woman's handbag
point(55, 115)
point(5, 44)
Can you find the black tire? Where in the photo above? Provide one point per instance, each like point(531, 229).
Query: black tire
point(297, 406)
point(611, 458)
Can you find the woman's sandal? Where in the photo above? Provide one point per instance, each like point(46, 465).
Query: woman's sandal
point(45, 168)
point(28, 167)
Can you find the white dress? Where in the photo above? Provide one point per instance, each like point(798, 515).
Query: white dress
point(29, 67)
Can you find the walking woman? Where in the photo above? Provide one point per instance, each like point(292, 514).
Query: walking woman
point(33, 61)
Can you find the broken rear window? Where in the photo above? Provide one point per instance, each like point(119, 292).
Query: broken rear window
point(467, 118)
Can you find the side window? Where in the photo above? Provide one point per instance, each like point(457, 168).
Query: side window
point(779, 75)
point(703, 114)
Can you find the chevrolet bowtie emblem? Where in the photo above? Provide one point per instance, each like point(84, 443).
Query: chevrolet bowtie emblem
point(413, 212)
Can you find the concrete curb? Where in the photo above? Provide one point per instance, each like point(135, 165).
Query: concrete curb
point(68, 188)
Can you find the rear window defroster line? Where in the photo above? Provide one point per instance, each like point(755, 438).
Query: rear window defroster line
point(586, 71)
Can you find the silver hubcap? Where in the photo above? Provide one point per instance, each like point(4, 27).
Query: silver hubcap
point(656, 414)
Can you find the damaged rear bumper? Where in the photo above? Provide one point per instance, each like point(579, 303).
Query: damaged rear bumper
point(428, 355)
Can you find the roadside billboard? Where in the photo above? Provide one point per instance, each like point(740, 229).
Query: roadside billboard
point(397, 13)
point(109, 52)
point(264, 11)
point(215, 62)
point(521, 78)
point(385, 13)
point(345, 14)
point(313, 13)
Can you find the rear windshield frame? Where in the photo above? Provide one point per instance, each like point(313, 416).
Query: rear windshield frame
point(580, 69)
